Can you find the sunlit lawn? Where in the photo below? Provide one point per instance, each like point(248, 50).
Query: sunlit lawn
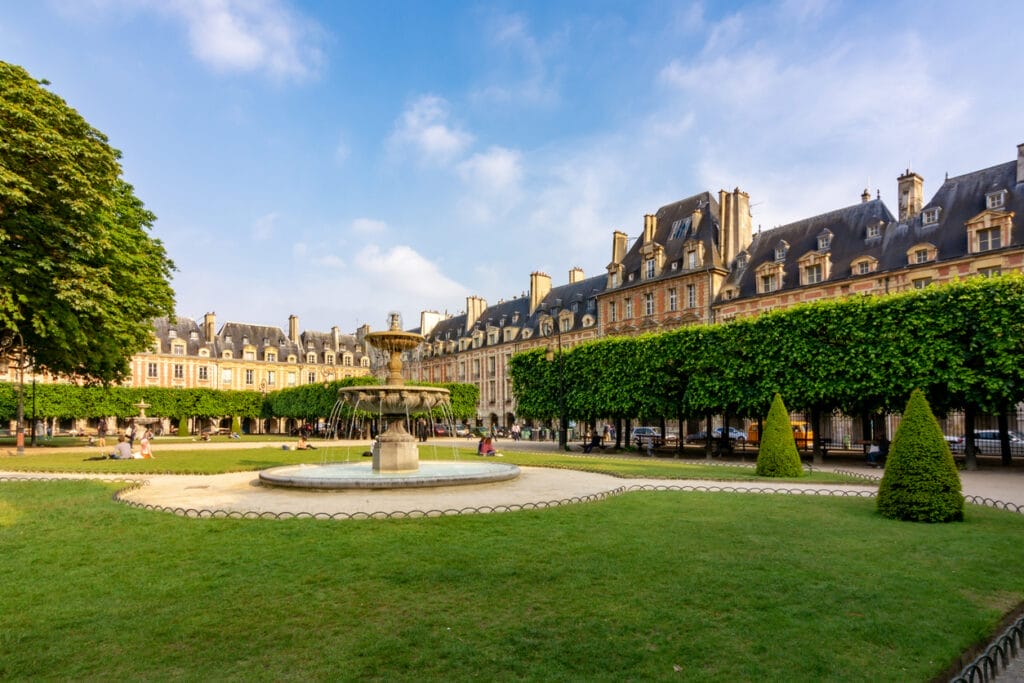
point(197, 459)
point(643, 586)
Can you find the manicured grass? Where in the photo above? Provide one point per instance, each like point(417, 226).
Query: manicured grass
point(197, 459)
point(644, 586)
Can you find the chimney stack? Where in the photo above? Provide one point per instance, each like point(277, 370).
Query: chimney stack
point(911, 195)
point(1020, 163)
point(475, 307)
point(540, 285)
point(575, 275)
point(209, 323)
point(650, 225)
point(865, 196)
point(734, 219)
point(293, 329)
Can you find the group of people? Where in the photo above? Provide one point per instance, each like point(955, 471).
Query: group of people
point(125, 447)
point(486, 447)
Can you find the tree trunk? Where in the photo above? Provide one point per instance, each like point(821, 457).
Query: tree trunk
point(970, 450)
point(816, 450)
point(1004, 438)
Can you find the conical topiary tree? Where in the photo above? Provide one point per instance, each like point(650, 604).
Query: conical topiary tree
point(920, 483)
point(778, 456)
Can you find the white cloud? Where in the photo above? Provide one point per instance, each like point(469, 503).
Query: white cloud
point(493, 182)
point(523, 76)
point(263, 228)
point(369, 226)
point(250, 35)
point(424, 127)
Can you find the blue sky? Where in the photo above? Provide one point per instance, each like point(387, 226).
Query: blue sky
point(338, 160)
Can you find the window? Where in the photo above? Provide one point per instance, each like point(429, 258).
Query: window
point(691, 259)
point(825, 241)
point(565, 323)
point(874, 231)
point(245, 340)
point(864, 267)
point(204, 373)
point(991, 271)
point(768, 283)
point(291, 379)
point(812, 274)
point(921, 282)
point(271, 378)
point(612, 313)
point(741, 260)
point(691, 296)
point(310, 377)
point(989, 239)
point(648, 304)
point(151, 370)
point(271, 357)
point(178, 349)
point(329, 359)
point(492, 366)
point(680, 227)
point(364, 362)
point(931, 216)
point(249, 355)
point(780, 251)
point(995, 200)
point(225, 376)
point(629, 309)
point(631, 276)
point(310, 357)
point(250, 376)
point(650, 268)
point(920, 256)
point(347, 359)
point(673, 299)
point(179, 371)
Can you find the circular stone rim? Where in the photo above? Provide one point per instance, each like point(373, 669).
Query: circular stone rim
point(432, 474)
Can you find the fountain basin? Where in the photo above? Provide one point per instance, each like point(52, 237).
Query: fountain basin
point(361, 475)
point(394, 400)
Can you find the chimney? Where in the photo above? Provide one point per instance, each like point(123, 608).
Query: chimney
point(575, 275)
point(619, 242)
point(865, 196)
point(474, 308)
point(1020, 163)
point(650, 225)
point(540, 285)
point(293, 329)
point(734, 221)
point(428, 321)
point(336, 338)
point(911, 195)
point(209, 325)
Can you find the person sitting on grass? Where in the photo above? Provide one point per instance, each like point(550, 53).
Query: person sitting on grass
point(122, 451)
point(487, 447)
point(304, 445)
point(595, 442)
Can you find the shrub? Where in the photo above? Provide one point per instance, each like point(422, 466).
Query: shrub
point(921, 483)
point(778, 456)
point(182, 426)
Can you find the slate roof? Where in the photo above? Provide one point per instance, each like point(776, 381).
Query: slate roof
point(707, 232)
point(849, 241)
point(184, 328)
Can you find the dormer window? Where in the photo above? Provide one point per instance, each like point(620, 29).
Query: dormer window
point(193, 335)
point(931, 216)
point(649, 267)
point(266, 341)
point(680, 227)
point(874, 231)
point(172, 334)
point(691, 259)
point(781, 250)
point(245, 340)
point(741, 261)
point(922, 253)
point(995, 200)
point(675, 265)
point(227, 339)
point(630, 278)
point(825, 240)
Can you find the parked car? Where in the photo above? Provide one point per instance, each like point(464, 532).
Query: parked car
point(640, 436)
point(734, 435)
point(461, 430)
point(440, 429)
point(956, 443)
point(802, 433)
point(987, 442)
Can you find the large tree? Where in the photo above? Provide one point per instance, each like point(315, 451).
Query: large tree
point(81, 279)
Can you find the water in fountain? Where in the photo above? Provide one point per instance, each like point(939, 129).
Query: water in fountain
point(396, 462)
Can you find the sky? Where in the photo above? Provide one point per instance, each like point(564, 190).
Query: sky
point(339, 160)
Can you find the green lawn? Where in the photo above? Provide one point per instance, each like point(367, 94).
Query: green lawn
point(648, 585)
point(198, 460)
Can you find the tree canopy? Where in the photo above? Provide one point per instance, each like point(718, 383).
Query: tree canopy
point(81, 279)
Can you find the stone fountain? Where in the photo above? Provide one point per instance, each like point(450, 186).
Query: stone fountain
point(396, 462)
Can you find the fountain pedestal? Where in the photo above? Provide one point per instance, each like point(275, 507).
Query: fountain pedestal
point(395, 450)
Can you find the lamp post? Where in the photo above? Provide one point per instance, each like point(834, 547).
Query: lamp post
point(20, 439)
point(563, 435)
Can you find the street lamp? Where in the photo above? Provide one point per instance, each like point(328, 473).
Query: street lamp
point(553, 310)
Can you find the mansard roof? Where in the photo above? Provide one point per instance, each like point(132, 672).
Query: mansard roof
point(185, 329)
point(563, 298)
point(849, 240)
point(671, 217)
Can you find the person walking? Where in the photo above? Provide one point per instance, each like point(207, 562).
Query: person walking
point(101, 433)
